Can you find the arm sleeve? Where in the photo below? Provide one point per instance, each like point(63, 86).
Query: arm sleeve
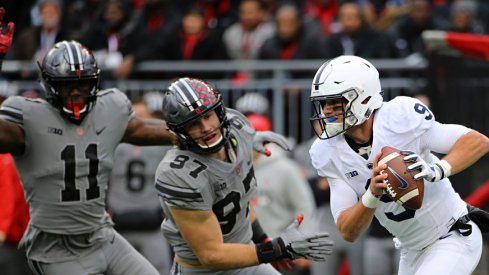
point(342, 197)
point(440, 137)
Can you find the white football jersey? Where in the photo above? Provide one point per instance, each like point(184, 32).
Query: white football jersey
point(399, 123)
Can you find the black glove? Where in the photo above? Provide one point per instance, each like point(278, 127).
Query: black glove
point(259, 236)
point(262, 138)
point(293, 244)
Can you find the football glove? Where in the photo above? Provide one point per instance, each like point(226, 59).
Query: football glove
point(264, 137)
point(5, 39)
point(430, 172)
point(314, 246)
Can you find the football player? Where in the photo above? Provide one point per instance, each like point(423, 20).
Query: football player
point(132, 200)
point(64, 148)
point(440, 237)
point(206, 184)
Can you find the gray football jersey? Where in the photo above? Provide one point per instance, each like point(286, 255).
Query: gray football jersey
point(132, 179)
point(65, 167)
point(188, 180)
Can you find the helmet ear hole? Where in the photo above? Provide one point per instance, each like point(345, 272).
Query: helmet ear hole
point(366, 100)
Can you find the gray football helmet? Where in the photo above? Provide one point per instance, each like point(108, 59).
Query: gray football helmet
point(187, 100)
point(68, 66)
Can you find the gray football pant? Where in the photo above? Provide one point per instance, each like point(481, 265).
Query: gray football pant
point(114, 257)
point(153, 246)
point(263, 269)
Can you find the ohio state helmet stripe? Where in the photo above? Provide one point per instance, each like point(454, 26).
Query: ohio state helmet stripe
point(183, 95)
point(78, 53)
point(196, 99)
point(70, 55)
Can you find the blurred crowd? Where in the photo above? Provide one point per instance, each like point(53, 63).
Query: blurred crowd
point(124, 32)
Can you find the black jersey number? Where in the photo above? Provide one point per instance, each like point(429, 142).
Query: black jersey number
point(227, 220)
point(404, 215)
point(180, 160)
point(70, 193)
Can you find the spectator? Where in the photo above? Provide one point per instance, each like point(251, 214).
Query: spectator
point(463, 17)
point(291, 39)
point(324, 11)
point(406, 30)
point(114, 38)
point(33, 42)
point(193, 40)
point(356, 37)
point(244, 39)
point(381, 14)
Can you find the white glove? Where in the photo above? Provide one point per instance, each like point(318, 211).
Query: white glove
point(430, 172)
point(262, 138)
point(314, 246)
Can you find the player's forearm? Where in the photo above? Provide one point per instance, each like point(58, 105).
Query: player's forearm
point(150, 132)
point(354, 221)
point(229, 256)
point(467, 150)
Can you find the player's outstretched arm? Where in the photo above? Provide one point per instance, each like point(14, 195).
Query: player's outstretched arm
point(202, 232)
point(264, 137)
point(467, 150)
point(148, 132)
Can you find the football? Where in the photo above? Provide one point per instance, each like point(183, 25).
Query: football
point(401, 185)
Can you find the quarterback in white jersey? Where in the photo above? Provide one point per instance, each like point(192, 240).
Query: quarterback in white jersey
point(64, 150)
point(207, 183)
point(356, 124)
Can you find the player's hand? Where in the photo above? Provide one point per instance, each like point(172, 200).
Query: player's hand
point(262, 138)
point(429, 172)
point(377, 182)
point(313, 246)
point(281, 265)
point(5, 39)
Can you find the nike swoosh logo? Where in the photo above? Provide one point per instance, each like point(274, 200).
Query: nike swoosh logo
point(404, 183)
point(98, 132)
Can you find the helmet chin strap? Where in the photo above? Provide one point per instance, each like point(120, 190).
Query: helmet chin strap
point(211, 145)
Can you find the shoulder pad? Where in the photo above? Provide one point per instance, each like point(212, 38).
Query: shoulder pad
point(404, 115)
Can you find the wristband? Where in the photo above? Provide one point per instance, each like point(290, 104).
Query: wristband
point(445, 169)
point(259, 236)
point(272, 251)
point(369, 200)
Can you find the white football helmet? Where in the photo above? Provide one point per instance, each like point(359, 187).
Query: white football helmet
point(350, 80)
